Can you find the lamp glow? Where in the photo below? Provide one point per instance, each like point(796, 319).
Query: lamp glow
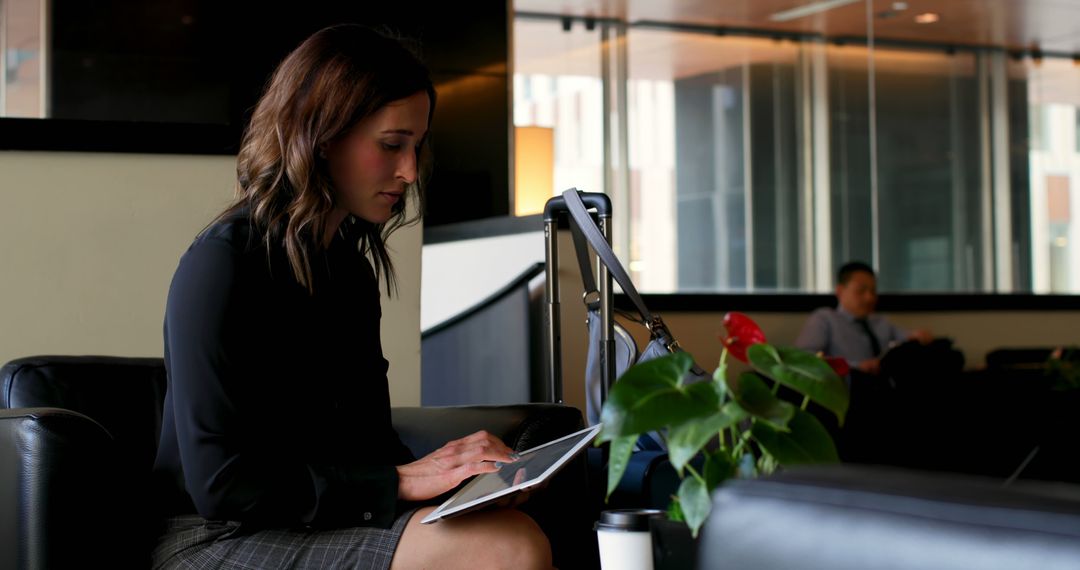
point(534, 169)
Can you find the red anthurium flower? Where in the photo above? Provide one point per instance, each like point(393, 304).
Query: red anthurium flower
point(839, 365)
point(742, 331)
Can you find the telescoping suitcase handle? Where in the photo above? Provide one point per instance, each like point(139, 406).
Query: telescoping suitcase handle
point(586, 230)
point(557, 205)
point(554, 207)
point(601, 244)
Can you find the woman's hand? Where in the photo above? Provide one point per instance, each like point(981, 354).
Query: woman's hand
point(515, 499)
point(442, 469)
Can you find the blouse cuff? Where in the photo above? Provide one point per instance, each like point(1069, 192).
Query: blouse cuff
point(356, 496)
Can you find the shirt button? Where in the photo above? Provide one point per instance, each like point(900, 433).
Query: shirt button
point(367, 516)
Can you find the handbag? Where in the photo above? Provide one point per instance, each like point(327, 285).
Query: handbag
point(661, 342)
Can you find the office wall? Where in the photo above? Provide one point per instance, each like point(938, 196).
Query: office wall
point(973, 332)
point(176, 77)
point(460, 274)
point(89, 242)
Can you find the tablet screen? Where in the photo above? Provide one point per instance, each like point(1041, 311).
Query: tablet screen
point(535, 465)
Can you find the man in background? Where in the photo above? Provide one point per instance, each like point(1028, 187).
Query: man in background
point(852, 331)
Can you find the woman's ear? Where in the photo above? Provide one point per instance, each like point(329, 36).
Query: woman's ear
point(323, 147)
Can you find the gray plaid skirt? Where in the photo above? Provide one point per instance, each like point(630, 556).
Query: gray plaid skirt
point(190, 541)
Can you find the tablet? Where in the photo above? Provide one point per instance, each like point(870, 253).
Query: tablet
point(535, 466)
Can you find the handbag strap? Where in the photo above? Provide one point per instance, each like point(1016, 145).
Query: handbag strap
point(581, 218)
point(582, 253)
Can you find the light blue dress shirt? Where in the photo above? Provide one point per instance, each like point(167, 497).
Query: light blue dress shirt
point(835, 332)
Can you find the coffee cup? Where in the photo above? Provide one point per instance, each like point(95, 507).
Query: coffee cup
point(625, 540)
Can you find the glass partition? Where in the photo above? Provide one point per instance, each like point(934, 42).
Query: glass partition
point(558, 110)
point(923, 230)
point(22, 56)
point(1053, 99)
point(713, 162)
point(762, 161)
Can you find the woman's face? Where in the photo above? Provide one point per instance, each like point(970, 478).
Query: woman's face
point(371, 165)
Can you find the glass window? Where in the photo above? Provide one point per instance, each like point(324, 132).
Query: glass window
point(762, 164)
point(1053, 86)
point(558, 111)
point(851, 211)
point(22, 82)
point(713, 177)
point(926, 216)
point(1076, 129)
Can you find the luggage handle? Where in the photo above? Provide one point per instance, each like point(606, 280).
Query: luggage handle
point(557, 205)
point(657, 329)
point(577, 202)
point(552, 209)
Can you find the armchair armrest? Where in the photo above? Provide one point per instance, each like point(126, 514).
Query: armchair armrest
point(848, 517)
point(520, 426)
point(58, 486)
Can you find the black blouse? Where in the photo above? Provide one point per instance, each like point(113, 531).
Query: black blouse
point(278, 409)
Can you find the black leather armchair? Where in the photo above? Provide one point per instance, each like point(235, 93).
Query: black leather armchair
point(848, 517)
point(78, 437)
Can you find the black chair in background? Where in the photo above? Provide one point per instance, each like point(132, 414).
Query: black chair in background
point(1020, 360)
point(855, 517)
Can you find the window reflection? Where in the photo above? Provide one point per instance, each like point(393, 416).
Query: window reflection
point(930, 189)
point(1053, 95)
point(557, 87)
point(710, 119)
point(750, 159)
point(22, 81)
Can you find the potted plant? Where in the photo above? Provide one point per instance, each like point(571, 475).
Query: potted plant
point(731, 426)
point(1062, 370)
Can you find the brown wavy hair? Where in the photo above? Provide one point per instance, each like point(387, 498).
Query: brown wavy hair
point(333, 80)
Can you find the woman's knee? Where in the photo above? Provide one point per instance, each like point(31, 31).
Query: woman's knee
point(518, 542)
point(487, 539)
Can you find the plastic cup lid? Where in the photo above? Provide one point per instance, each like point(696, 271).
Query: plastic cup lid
point(627, 520)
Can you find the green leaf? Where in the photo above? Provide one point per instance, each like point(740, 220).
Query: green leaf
point(806, 442)
point(694, 500)
point(687, 438)
point(674, 511)
point(756, 398)
point(651, 395)
point(719, 467)
point(804, 372)
point(618, 459)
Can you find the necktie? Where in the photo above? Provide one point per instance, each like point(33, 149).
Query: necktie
point(875, 346)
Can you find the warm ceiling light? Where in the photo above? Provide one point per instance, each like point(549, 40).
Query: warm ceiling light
point(809, 9)
point(927, 18)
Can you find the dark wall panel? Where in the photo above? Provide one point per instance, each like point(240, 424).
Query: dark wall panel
point(127, 75)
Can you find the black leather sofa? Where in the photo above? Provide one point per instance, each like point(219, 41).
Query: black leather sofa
point(78, 437)
point(858, 517)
